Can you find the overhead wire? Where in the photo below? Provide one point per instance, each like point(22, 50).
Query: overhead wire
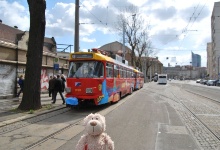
point(186, 28)
point(93, 15)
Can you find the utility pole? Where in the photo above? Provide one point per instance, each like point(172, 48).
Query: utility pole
point(123, 47)
point(145, 68)
point(190, 70)
point(76, 40)
point(218, 67)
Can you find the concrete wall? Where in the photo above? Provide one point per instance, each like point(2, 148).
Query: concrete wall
point(7, 53)
point(7, 79)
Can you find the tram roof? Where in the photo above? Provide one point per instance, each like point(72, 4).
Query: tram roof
point(100, 56)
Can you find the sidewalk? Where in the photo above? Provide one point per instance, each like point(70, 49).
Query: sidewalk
point(9, 114)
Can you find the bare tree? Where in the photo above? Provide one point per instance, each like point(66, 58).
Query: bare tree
point(137, 36)
point(142, 49)
point(132, 27)
point(136, 33)
point(31, 97)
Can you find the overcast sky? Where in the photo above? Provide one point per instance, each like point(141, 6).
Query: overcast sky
point(177, 27)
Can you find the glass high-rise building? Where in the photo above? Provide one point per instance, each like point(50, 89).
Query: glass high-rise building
point(196, 60)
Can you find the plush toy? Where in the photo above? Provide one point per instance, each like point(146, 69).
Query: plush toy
point(95, 138)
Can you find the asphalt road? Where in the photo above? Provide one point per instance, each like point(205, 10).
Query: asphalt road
point(144, 122)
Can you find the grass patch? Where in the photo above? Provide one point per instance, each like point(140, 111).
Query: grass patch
point(16, 110)
point(31, 111)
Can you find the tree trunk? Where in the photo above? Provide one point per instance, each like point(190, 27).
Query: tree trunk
point(31, 94)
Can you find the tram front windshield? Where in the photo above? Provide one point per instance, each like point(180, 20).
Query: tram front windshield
point(86, 69)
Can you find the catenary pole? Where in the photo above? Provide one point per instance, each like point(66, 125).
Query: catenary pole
point(76, 40)
point(123, 47)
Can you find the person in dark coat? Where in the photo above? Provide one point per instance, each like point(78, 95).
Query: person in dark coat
point(58, 88)
point(50, 86)
point(21, 84)
point(64, 82)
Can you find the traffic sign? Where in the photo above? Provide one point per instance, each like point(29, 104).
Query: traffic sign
point(56, 66)
point(56, 60)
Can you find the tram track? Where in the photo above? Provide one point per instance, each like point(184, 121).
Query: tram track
point(33, 145)
point(31, 120)
point(195, 116)
point(78, 124)
point(203, 96)
point(47, 132)
point(201, 131)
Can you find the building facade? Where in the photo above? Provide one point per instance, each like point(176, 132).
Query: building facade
point(13, 49)
point(185, 72)
point(215, 36)
point(116, 48)
point(209, 60)
point(196, 60)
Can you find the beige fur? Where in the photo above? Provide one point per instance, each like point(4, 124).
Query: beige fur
point(95, 139)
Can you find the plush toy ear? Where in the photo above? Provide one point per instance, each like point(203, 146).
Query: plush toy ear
point(87, 119)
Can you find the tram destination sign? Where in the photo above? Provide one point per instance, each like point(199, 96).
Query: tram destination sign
point(82, 56)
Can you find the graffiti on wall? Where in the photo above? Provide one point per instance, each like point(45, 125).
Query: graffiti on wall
point(44, 80)
point(7, 79)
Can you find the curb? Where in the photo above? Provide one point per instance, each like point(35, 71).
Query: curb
point(10, 96)
point(28, 116)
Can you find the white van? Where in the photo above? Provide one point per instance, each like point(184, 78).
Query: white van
point(162, 79)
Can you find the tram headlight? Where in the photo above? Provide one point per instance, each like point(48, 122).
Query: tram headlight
point(68, 90)
point(89, 90)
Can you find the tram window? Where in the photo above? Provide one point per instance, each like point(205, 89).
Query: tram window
point(86, 69)
point(120, 73)
point(99, 70)
point(109, 70)
point(115, 71)
point(128, 73)
point(124, 73)
point(133, 75)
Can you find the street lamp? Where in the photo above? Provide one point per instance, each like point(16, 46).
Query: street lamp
point(218, 67)
point(190, 70)
point(145, 68)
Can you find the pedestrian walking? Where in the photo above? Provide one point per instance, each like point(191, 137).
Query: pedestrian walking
point(50, 86)
point(21, 84)
point(58, 88)
point(64, 82)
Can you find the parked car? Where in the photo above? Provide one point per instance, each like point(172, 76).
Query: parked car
point(210, 82)
point(203, 81)
point(198, 80)
point(215, 82)
point(218, 83)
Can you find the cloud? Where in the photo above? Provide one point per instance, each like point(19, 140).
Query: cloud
point(174, 24)
point(165, 13)
point(86, 39)
point(14, 14)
